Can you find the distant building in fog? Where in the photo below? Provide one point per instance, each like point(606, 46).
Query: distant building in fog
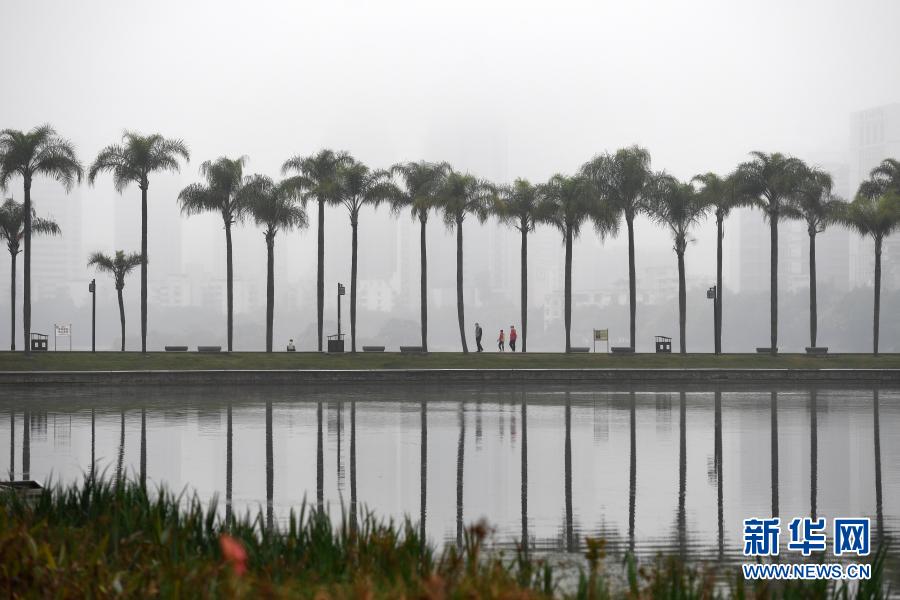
point(58, 262)
point(874, 136)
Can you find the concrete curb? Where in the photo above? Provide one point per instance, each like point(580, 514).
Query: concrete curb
point(395, 376)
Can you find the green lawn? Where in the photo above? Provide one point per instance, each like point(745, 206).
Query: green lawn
point(123, 361)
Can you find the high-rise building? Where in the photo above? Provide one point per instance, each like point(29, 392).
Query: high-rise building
point(874, 136)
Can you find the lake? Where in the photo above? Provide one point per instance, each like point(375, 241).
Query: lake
point(652, 469)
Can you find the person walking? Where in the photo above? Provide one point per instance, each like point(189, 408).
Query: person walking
point(478, 333)
point(513, 336)
point(500, 341)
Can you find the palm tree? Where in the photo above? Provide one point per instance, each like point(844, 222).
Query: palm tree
point(876, 213)
point(621, 178)
point(769, 181)
point(519, 205)
point(360, 186)
point(317, 179)
point(721, 195)
point(679, 207)
point(28, 153)
point(223, 181)
point(274, 207)
point(460, 195)
point(12, 224)
point(421, 184)
point(119, 266)
point(566, 203)
point(819, 208)
point(133, 161)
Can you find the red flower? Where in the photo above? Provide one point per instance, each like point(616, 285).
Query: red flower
point(234, 553)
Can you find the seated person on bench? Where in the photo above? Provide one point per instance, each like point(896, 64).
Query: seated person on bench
point(290, 346)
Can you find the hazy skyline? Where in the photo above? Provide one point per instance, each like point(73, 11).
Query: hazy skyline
point(500, 89)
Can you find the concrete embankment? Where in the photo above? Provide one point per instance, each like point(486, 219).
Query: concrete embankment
point(439, 376)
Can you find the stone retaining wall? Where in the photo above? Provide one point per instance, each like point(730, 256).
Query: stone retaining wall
point(511, 376)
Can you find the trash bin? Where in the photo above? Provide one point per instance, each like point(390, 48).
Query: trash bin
point(663, 344)
point(40, 342)
point(336, 343)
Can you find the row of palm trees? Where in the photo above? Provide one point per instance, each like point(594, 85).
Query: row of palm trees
point(608, 189)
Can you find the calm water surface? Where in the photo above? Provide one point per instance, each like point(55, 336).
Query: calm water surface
point(653, 470)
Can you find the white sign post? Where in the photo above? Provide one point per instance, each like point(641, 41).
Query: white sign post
point(62, 331)
point(601, 335)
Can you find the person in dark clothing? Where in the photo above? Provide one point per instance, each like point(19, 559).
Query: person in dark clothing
point(478, 337)
point(513, 336)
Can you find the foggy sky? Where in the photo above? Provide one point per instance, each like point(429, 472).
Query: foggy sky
point(501, 89)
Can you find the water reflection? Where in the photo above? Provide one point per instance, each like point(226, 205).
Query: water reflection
point(460, 459)
point(682, 472)
point(143, 447)
point(774, 456)
point(270, 466)
point(718, 458)
point(876, 434)
point(524, 465)
point(423, 465)
point(550, 467)
point(229, 464)
point(813, 453)
point(632, 476)
point(12, 445)
point(570, 534)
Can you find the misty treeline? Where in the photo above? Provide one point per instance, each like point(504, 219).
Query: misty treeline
point(605, 194)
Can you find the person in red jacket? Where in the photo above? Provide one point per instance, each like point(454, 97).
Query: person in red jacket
point(513, 336)
point(500, 341)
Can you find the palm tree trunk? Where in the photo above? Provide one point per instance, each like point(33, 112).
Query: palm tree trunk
point(320, 271)
point(26, 276)
point(524, 288)
point(718, 300)
point(12, 302)
point(632, 285)
point(144, 268)
point(121, 315)
point(229, 283)
point(423, 284)
point(773, 276)
point(270, 288)
point(460, 308)
point(567, 291)
point(353, 248)
point(813, 313)
point(877, 311)
point(682, 304)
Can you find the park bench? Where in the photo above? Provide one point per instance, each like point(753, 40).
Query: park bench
point(411, 349)
point(766, 350)
point(579, 349)
point(176, 348)
point(209, 348)
point(622, 350)
point(373, 348)
point(817, 350)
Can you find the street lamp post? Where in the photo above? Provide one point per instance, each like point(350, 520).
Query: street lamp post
point(92, 288)
point(341, 291)
point(713, 294)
